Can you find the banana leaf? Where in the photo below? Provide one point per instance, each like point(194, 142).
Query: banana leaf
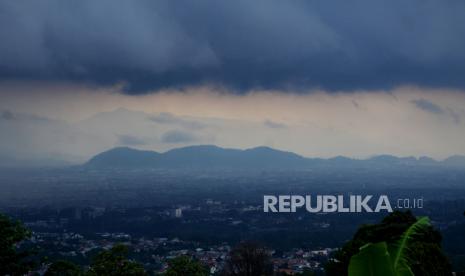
point(372, 260)
point(382, 259)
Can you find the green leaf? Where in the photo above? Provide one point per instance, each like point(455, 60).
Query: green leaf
point(379, 259)
point(372, 260)
point(399, 250)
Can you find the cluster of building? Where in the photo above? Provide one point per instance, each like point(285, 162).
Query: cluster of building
point(155, 253)
point(299, 260)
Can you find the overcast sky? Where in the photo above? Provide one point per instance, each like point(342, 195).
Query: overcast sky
point(320, 78)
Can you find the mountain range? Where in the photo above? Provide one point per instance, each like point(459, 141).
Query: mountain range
point(209, 156)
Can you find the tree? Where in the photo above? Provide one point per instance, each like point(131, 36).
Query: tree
point(249, 259)
point(424, 251)
point(184, 265)
point(114, 262)
point(63, 268)
point(12, 261)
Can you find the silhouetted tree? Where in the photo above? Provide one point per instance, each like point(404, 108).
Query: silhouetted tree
point(185, 265)
point(114, 262)
point(425, 252)
point(12, 261)
point(249, 259)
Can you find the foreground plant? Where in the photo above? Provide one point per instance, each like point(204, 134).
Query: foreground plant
point(387, 259)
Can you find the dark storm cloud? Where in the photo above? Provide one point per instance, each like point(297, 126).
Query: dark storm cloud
point(177, 136)
point(240, 44)
point(428, 106)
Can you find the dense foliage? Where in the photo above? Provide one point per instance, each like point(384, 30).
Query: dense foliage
point(114, 262)
point(12, 261)
point(63, 268)
point(184, 265)
point(426, 253)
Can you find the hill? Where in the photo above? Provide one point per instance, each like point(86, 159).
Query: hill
point(199, 157)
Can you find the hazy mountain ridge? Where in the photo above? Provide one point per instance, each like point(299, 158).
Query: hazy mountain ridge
point(204, 156)
point(209, 156)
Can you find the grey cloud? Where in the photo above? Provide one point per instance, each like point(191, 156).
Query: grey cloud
point(14, 116)
point(170, 119)
point(433, 108)
point(272, 124)
point(130, 140)
point(240, 44)
point(454, 116)
point(428, 106)
point(177, 136)
point(7, 115)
